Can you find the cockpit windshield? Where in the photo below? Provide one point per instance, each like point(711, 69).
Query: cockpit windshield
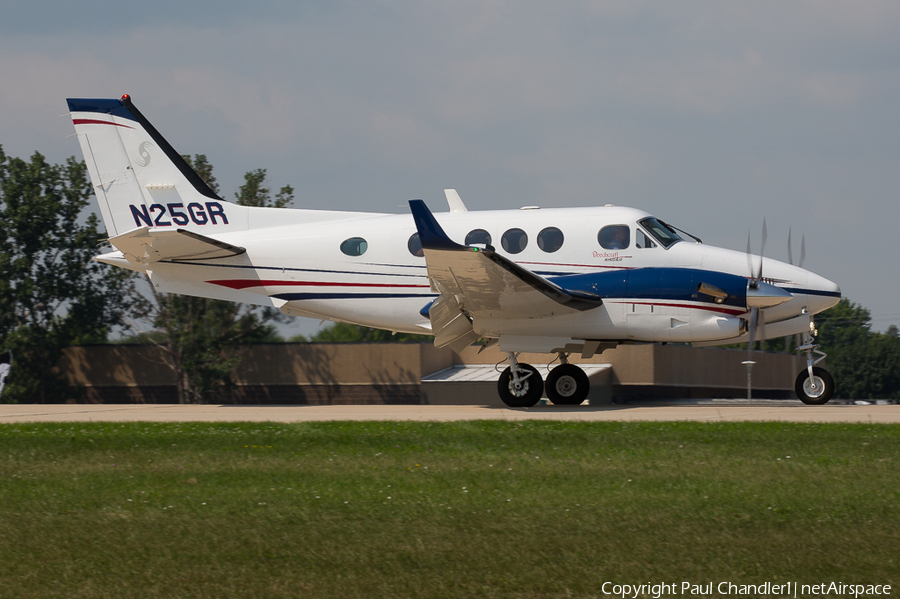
point(660, 231)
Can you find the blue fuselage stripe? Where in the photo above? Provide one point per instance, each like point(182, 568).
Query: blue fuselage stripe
point(812, 292)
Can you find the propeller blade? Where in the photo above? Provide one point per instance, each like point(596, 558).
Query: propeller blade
point(754, 316)
point(761, 326)
point(762, 249)
point(749, 259)
point(790, 253)
point(765, 235)
point(802, 251)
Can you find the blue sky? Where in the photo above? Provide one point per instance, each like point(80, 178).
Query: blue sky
point(711, 115)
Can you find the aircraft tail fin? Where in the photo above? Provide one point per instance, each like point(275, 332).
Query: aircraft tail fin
point(139, 178)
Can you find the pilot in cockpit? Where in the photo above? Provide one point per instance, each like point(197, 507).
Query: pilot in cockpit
point(615, 237)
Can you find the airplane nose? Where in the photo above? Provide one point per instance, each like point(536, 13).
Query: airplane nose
point(834, 291)
point(764, 295)
point(825, 293)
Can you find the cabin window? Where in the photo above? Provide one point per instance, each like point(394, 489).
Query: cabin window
point(642, 240)
point(355, 246)
point(415, 246)
point(479, 237)
point(614, 237)
point(550, 239)
point(514, 241)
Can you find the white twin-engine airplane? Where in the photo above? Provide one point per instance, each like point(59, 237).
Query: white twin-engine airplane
point(562, 280)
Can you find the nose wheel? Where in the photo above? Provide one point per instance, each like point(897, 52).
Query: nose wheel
point(814, 390)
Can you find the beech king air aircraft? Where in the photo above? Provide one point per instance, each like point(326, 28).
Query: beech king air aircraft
point(563, 280)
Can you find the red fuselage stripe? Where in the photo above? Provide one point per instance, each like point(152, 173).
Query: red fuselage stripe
point(96, 122)
point(576, 265)
point(247, 283)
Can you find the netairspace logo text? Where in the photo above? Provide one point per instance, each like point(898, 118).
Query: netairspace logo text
point(783, 589)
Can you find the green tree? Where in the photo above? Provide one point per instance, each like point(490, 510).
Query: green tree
point(865, 365)
point(255, 193)
point(342, 332)
point(201, 338)
point(843, 325)
point(51, 292)
point(201, 341)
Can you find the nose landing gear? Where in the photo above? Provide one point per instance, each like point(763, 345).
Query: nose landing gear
point(814, 386)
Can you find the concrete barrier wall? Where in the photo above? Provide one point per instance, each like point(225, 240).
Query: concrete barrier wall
point(672, 366)
point(392, 373)
point(116, 366)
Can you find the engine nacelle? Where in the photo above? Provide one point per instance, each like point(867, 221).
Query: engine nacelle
point(683, 325)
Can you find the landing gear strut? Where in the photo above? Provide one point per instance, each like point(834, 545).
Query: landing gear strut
point(567, 384)
point(520, 385)
point(814, 386)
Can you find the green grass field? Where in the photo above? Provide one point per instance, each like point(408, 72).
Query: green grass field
point(471, 509)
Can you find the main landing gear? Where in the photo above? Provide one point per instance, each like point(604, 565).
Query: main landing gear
point(814, 385)
point(520, 385)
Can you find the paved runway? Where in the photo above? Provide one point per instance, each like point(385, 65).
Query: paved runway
point(724, 411)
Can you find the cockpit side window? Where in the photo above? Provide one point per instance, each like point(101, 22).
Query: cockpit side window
point(642, 240)
point(660, 231)
point(614, 237)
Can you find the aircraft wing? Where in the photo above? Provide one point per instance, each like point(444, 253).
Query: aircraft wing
point(480, 283)
point(145, 246)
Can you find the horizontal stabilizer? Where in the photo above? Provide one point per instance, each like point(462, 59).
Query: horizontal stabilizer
point(146, 245)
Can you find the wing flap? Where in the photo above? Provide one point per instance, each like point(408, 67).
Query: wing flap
point(145, 245)
point(451, 327)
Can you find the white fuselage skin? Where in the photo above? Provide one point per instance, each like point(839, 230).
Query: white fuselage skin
point(301, 269)
point(357, 267)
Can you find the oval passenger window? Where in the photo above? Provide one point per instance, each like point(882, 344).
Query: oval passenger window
point(355, 246)
point(550, 239)
point(514, 241)
point(479, 236)
point(415, 246)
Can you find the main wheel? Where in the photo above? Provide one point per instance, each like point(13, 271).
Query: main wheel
point(567, 385)
point(817, 390)
point(526, 393)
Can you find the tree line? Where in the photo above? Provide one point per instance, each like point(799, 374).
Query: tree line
point(53, 295)
point(865, 364)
